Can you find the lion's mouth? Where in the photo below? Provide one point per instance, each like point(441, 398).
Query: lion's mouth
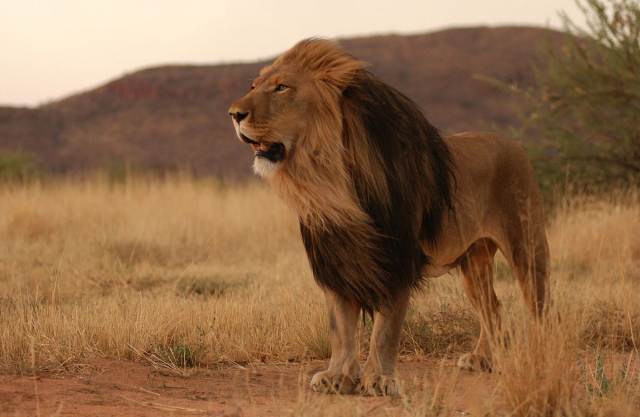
point(273, 151)
point(245, 139)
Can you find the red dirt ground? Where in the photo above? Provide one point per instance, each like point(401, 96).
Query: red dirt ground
point(115, 388)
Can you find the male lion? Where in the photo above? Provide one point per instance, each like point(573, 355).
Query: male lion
point(384, 202)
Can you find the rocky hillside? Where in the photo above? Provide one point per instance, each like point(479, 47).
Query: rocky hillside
point(175, 117)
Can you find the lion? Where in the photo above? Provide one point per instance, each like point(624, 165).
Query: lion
point(384, 203)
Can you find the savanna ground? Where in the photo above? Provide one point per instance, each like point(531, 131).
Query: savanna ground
point(183, 296)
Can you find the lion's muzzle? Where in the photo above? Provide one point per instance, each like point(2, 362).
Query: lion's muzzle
point(248, 140)
point(271, 151)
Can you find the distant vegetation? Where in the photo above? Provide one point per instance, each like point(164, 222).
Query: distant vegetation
point(17, 166)
point(585, 104)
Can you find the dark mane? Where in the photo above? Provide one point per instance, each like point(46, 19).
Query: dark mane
point(416, 160)
point(385, 132)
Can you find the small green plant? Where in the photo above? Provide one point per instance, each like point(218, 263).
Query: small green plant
point(595, 381)
point(597, 384)
point(178, 352)
point(215, 285)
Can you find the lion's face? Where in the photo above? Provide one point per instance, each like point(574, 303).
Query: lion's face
point(293, 119)
point(272, 117)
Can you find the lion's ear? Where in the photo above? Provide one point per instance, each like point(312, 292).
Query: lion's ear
point(339, 72)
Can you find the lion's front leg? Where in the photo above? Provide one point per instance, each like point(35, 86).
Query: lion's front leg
point(379, 370)
point(344, 370)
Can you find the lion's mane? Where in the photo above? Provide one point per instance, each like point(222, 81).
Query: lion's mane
point(370, 178)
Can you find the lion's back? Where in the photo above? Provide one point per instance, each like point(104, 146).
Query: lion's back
point(489, 160)
point(496, 186)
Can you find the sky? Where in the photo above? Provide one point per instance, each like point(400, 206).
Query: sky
point(53, 48)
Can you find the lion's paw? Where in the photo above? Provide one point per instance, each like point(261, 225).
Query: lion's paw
point(474, 362)
point(328, 382)
point(378, 385)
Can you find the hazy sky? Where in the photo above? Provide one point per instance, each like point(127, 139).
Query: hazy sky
point(52, 48)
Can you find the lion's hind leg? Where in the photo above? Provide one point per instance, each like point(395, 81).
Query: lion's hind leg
point(477, 275)
point(530, 265)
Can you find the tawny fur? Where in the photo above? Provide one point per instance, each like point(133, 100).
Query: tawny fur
point(384, 201)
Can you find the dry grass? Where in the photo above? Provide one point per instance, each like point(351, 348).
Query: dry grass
point(186, 272)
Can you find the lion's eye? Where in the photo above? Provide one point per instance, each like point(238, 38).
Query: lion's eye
point(281, 87)
point(252, 87)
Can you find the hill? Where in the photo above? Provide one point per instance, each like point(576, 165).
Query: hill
point(175, 117)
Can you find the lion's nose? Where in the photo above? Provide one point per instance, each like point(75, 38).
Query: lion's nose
point(237, 116)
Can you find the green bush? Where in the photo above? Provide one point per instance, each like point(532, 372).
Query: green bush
point(581, 120)
point(17, 166)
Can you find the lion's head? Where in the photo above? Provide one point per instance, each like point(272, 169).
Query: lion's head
point(292, 118)
point(293, 104)
point(367, 174)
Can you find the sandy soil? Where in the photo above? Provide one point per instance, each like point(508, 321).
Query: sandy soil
point(115, 388)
